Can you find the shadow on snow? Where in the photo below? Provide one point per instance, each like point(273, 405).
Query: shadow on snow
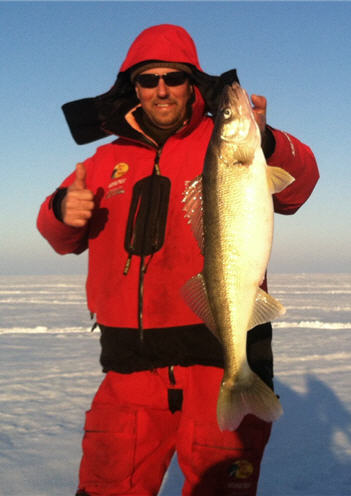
point(309, 453)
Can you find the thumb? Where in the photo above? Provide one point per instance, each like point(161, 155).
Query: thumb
point(260, 110)
point(79, 181)
point(259, 102)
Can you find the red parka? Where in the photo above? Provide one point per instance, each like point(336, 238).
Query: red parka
point(111, 175)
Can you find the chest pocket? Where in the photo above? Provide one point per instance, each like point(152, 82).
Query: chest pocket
point(146, 225)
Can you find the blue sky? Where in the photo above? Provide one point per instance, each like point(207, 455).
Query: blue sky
point(297, 54)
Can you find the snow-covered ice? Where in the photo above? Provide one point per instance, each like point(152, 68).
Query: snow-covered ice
point(50, 371)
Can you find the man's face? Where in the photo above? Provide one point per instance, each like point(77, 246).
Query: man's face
point(166, 106)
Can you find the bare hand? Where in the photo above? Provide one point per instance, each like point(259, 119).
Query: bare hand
point(260, 111)
point(78, 204)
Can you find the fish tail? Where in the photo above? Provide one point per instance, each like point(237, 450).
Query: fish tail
point(255, 398)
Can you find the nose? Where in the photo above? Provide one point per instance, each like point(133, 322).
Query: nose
point(162, 88)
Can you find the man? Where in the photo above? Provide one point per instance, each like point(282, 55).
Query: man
point(124, 204)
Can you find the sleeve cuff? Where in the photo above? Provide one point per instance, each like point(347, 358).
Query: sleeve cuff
point(57, 201)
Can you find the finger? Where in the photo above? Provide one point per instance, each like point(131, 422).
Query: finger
point(80, 222)
point(83, 214)
point(79, 206)
point(77, 218)
point(80, 195)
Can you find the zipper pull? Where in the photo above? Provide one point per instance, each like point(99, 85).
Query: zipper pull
point(127, 265)
point(157, 161)
point(171, 375)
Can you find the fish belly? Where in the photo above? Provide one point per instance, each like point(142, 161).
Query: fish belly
point(238, 222)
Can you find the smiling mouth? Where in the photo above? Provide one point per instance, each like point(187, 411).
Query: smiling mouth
point(164, 104)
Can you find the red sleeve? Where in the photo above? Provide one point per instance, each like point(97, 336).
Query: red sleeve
point(64, 239)
point(296, 158)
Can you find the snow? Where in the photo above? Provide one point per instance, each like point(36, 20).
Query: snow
point(50, 371)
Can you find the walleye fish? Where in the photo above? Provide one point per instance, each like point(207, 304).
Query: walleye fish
point(230, 210)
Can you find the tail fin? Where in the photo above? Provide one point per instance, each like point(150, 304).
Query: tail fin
point(255, 398)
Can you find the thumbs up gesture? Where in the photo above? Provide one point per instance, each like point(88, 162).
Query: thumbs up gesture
point(78, 204)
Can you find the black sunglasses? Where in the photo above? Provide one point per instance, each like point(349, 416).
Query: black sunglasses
point(171, 79)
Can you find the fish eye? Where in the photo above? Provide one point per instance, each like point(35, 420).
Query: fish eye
point(227, 113)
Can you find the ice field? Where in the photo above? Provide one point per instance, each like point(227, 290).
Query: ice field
point(49, 371)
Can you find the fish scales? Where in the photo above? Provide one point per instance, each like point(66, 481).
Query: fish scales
point(235, 239)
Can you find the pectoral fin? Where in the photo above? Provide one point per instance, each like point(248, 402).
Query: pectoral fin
point(195, 295)
point(265, 310)
point(278, 179)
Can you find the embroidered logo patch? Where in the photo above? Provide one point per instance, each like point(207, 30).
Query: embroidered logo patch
point(116, 185)
point(120, 170)
point(241, 469)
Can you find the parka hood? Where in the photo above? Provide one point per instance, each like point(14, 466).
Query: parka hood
point(164, 42)
point(90, 119)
